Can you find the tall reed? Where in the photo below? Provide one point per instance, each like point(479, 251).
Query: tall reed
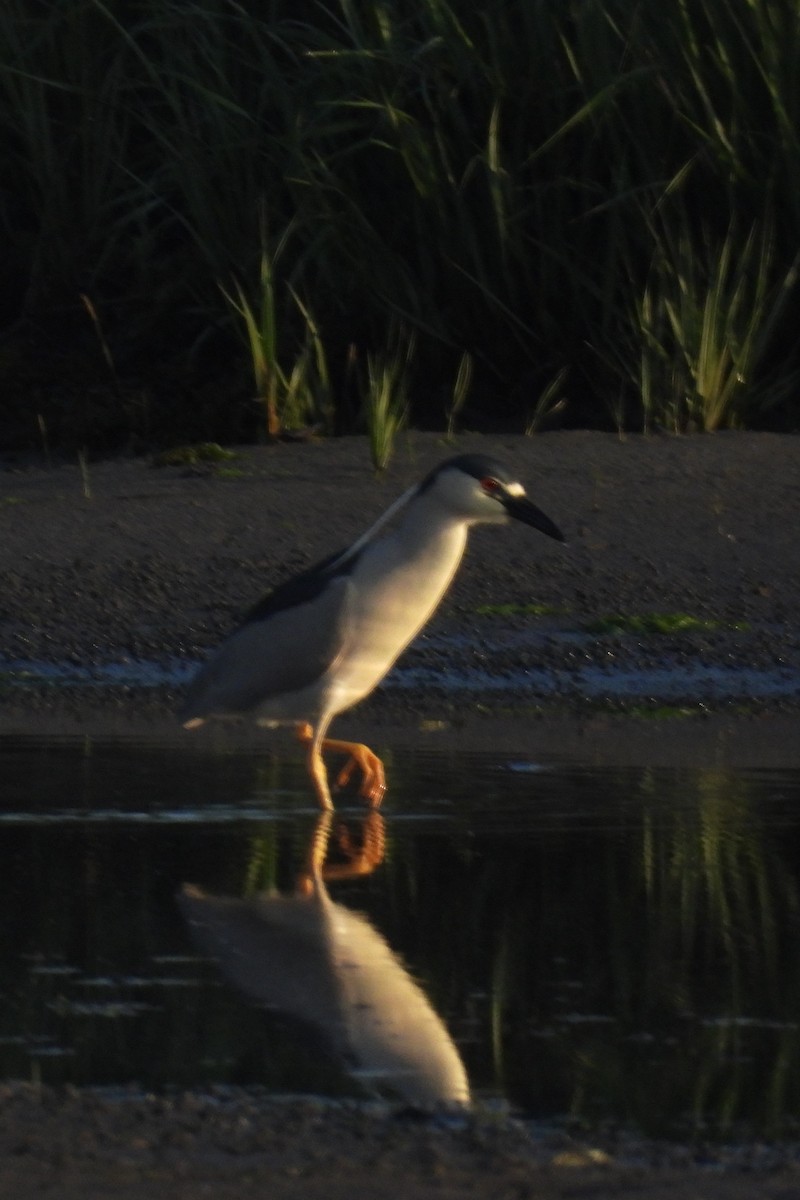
point(534, 185)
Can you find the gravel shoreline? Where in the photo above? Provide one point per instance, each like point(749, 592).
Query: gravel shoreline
point(231, 1142)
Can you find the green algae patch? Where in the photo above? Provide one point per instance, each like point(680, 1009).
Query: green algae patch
point(653, 624)
point(518, 610)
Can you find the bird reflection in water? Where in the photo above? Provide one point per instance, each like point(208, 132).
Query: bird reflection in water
point(306, 956)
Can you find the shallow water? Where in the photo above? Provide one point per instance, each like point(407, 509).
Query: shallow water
point(601, 943)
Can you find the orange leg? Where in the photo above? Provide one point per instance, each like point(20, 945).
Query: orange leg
point(316, 768)
point(373, 781)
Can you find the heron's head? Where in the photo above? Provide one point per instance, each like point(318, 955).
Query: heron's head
point(480, 489)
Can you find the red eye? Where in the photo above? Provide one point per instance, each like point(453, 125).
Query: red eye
point(490, 485)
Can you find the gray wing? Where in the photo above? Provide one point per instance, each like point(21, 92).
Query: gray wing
point(273, 655)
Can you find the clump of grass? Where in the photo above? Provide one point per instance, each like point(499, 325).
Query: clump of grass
point(549, 402)
point(294, 396)
point(709, 314)
point(461, 386)
point(648, 624)
point(386, 403)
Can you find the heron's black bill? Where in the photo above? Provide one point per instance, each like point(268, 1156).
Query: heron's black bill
point(521, 509)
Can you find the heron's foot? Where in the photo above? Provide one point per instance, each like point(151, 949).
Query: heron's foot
point(373, 776)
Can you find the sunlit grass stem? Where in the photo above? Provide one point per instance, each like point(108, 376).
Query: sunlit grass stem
point(386, 400)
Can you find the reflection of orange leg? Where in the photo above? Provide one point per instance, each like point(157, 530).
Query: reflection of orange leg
point(373, 781)
point(362, 859)
point(317, 851)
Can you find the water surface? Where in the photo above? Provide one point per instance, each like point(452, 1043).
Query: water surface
point(605, 944)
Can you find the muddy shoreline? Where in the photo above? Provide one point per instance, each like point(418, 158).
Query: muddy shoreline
point(231, 1143)
point(155, 565)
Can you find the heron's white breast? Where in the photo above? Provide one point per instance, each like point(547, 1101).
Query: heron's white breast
point(397, 584)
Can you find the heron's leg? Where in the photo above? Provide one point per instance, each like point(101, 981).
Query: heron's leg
point(373, 776)
point(316, 765)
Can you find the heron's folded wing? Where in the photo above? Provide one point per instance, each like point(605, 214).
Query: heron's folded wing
point(281, 652)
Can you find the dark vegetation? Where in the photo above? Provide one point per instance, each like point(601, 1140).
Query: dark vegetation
point(512, 213)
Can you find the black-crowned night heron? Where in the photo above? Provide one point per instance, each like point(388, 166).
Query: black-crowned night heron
point(322, 641)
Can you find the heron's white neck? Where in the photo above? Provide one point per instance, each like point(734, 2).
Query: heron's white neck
point(424, 550)
point(382, 520)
